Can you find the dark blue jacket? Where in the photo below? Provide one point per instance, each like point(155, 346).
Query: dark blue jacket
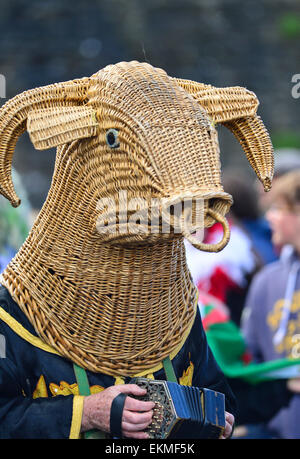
point(38, 390)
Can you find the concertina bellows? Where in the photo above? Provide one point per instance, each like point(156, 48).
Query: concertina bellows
point(113, 300)
point(178, 409)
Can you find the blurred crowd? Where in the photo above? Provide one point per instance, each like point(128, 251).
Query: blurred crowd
point(14, 223)
point(249, 297)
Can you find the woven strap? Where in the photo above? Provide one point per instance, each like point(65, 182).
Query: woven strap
point(82, 380)
point(84, 389)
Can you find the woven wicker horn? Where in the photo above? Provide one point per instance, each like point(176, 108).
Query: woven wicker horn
point(13, 117)
point(236, 108)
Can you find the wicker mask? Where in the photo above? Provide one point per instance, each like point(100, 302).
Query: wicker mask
point(128, 133)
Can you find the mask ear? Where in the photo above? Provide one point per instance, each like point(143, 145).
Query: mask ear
point(50, 127)
point(13, 121)
point(236, 108)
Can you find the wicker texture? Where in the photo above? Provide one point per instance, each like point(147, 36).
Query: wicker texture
point(236, 109)
point(13, 116)
point(50, 127)
point(119, 303)
point(223, 104)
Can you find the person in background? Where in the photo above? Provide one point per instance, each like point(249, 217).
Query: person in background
point(261, 389)
point(226, 275)
point(14, 224)
point(286, 160)
point(271, 318)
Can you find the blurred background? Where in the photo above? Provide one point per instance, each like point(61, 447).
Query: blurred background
point(254, 43)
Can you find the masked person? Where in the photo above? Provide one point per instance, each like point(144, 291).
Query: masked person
point(100, 291)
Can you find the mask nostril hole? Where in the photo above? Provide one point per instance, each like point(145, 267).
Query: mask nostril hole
point(212, 202)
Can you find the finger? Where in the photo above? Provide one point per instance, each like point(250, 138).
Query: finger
point(229, 418)
point(126, 426)
point(294, 384)
point(133, 389)
point(137, 435)
point(132, 404)
point(228, 429)
point(137, 418)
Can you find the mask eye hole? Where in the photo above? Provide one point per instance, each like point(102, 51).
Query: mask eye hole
point(112, 138)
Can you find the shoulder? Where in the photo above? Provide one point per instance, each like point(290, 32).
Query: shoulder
point(11, 312)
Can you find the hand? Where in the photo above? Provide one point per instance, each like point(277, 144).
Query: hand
point(294, 385)
point(137, 414)
point(229, 418)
